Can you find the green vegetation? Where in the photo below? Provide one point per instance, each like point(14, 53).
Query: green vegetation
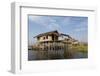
point(81, 48)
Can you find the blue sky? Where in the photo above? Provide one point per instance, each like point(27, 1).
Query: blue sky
point(75, 26)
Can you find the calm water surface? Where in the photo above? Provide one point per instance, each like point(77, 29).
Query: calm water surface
point(36, 55)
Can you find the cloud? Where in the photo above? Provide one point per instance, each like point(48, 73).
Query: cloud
point(66, 21)
point(53, 26)
point(45, 21)
point(34, 18)
point(80, 29)
point(75, 21)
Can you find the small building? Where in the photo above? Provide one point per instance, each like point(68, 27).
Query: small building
point(53, 36)
point(52, 39)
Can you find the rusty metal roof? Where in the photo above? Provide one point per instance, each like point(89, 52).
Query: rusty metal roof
point(55, 32)
point(48, 33)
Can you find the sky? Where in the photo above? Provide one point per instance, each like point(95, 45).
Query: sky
point(75, 26)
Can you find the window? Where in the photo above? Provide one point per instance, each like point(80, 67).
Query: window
point(38, 38)
point(43, 38)
point(46, 37)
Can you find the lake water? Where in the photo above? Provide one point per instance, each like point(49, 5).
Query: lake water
point(43, 55)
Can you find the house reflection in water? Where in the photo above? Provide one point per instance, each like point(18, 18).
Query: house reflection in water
point(53, 45)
